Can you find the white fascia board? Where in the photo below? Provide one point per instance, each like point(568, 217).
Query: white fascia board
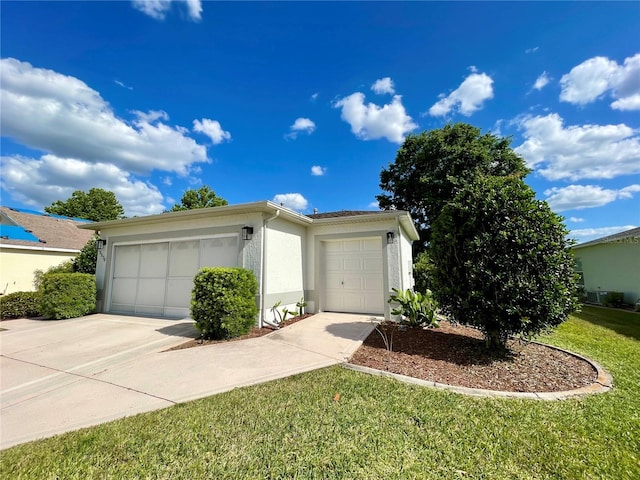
point(403, 217)
point(227, 210)
point(39, 249)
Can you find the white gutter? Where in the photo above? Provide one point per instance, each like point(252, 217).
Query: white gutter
point(39, 249)
point(263, 271)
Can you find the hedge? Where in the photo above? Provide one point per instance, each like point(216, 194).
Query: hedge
point(223, 302)
point(19, 305)
point(67, 295)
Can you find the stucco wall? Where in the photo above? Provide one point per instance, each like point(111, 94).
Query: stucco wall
point(283, 262)
point(17, 267)
point(611, 267)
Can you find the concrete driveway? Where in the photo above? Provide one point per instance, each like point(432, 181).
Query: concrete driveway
point(58, 376)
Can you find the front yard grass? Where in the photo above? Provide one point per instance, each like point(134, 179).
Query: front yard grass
point(377, 428)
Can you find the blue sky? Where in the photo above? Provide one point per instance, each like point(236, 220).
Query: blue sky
point(304, 103)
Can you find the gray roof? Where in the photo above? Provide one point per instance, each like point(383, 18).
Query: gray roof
point(344, 213)
point(43, 231)
point(621, 237)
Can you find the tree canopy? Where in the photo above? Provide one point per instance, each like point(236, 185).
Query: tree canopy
point(502, 261)
point(97, 205)
point(202, 198)
point(432, 166)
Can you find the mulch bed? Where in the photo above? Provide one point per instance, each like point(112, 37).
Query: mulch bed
point(456, 355)
point(253, 333)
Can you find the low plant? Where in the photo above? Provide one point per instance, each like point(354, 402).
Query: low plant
point(19, 305)
point(613, 299)
point(301, 306)
point(281, 314)
point(67, 295)
point(414, 308)
point(223, 302)
point(64, 267)
point(386, 330)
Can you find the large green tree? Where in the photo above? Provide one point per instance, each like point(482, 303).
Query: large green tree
point(202, 198)
point(97, 205)
point(502, 260)
point(431, 167)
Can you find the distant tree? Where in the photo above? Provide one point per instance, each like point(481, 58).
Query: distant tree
point(97, 205)
point(431, 167)
point(202, 198)
point(502, 260)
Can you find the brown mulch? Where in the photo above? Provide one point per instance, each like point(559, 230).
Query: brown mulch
point(456, 355)
point(253, 333)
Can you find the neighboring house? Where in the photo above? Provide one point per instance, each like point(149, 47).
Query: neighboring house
point(610, 264)
point(32, 241)
point(344, 261)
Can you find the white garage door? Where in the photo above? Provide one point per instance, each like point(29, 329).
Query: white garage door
point(353, 276)
point(157, 278)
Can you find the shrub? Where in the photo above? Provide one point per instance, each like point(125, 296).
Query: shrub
point(422, 272)
point(19, 305)
point(613, 299)
point(38, 275)
point(223, 302)
point(86, 260)
point(67, 295)
point(415, 308)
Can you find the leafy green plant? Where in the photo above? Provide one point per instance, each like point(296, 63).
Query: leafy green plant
point(613, 299)
point(38, 275)
point(67, 295)
point(281, 313)
point(300, 306)
point(19, 305)
point(223, 302)
point(414, 308)
point(86, 260)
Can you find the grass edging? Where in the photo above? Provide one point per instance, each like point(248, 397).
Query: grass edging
point(602, 384)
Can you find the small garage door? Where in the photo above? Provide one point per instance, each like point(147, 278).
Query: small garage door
point(353, 276)
point(157, 278)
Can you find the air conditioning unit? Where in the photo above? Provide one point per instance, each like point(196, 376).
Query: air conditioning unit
point(596, 297)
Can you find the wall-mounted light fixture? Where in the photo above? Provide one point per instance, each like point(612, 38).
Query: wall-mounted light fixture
point(100, 244)
point(390, 237)
point(247, 233)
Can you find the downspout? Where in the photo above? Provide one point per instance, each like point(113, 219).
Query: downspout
point(400, 254)
point(263, 271)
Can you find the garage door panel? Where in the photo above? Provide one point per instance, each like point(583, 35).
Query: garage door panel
point(220, 252)
point(179, 292)
point(184, 258)
point(127, 258)
point(151, 291)
point(153, 260)
point(124, 291)
point(373, 284)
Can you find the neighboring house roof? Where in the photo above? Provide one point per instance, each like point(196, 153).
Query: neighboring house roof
point(627, 236)
point(29, 229)
point(344, 216)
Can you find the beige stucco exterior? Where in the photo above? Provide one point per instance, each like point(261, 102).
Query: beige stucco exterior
point(613, 266)
point(17, 265)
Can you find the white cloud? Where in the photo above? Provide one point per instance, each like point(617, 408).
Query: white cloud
point(576, 219)
point(578, 151)
point(383, 85)
point(158, 9)
point(542, 81)
point(531, 50)
point(301, 125)
point(468, 98)
point(578, 197)
point(60, 114)
point(596, 76)
point(374, 205)
point(587, 234)
point(314, 97)
point(167, 181)
point(318, 171)
point(118, 82)
point(39, 182)
point(212, 129)
point(370, 122)
point(294, 201)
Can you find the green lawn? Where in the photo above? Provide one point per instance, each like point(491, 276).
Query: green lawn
point(378, 429)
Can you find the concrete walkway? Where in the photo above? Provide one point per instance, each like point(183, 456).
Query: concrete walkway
point(58, 376)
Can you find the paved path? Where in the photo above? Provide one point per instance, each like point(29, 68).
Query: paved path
point(58, 376)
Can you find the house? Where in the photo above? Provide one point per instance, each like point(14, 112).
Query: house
point(32, 241)
point(344, 261)
point(610, 264)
